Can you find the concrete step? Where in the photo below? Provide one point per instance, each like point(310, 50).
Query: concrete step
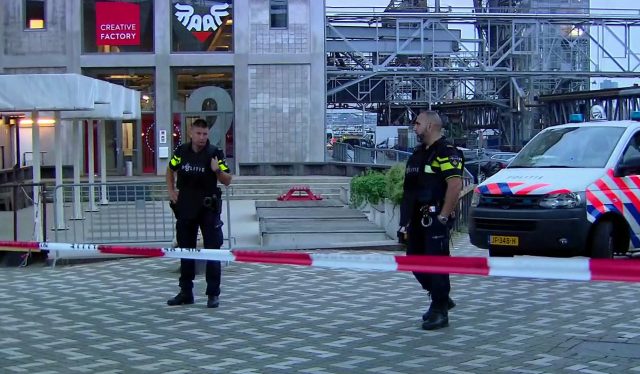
point(301, 233)
point(305, 204)
point(320, 213)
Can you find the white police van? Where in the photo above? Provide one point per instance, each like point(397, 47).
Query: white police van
point(574, 189)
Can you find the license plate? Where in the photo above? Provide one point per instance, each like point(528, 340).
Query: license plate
point(511, 241)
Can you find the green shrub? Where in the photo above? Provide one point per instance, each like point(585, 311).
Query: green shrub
point(369, 187)
point(394, 182)
point(373, 187)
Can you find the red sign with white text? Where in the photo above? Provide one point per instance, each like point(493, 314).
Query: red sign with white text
point(117, 23)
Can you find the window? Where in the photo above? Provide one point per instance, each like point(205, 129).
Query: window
point(570, 147)
point(34, 14)
point(117, 26)
point(202, 25)
point(633, 149)
point(278, 13)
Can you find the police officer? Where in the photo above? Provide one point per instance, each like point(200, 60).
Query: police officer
point(197, 203)
point(432, 185)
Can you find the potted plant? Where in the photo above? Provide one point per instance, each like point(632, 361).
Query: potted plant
point(382, 194)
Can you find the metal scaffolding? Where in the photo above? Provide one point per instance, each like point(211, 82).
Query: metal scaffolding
point(482, 66)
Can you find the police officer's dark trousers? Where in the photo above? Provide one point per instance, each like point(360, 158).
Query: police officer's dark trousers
point(187, 235)
point(431, 240)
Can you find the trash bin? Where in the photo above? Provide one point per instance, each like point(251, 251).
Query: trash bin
point(129, 168)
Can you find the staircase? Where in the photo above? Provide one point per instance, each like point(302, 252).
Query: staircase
point(316, 224)
point(269, 188)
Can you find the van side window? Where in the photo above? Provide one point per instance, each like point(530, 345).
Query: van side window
point(633, 148)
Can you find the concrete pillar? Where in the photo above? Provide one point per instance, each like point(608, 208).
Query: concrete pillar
point(77, 167)
point(163, 120)
point(59, 196)
point(92, 171)
point(73, 35)
point(37, 161)
point(119, 152)
point(241, 46)
point(102, 154)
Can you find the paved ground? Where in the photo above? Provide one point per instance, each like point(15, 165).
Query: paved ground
point(111, 317)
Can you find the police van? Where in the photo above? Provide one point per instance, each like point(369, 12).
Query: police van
point(574, 189)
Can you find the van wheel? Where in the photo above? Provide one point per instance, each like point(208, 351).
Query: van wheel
point(602, 240)
point(499, 252)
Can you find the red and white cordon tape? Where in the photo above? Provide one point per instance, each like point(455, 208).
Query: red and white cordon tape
point(624, 270)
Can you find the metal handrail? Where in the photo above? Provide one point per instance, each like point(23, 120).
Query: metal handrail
point(14, 201)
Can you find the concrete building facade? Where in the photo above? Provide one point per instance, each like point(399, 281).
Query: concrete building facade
point(253, 68)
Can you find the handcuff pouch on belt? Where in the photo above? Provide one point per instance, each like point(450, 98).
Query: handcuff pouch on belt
point(428, 213)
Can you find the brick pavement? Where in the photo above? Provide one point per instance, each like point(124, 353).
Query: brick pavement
point(111, 317)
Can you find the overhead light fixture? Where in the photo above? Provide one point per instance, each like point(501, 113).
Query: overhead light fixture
point(121, 76)
point(41, 121)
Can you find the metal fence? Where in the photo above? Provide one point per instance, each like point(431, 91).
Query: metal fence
point(17, 205)
point(117, 212)
point(464, 205)
point(379, 156)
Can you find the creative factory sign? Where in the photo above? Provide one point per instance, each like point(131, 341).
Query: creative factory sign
point(117, 23)
point(202, 26)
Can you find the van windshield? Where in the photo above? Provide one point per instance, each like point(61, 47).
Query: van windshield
point(570, 147)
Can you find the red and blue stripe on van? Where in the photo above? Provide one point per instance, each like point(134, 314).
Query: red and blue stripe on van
point(617, 195)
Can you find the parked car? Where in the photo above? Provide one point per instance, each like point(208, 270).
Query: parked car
point(503, 156)
point(357, 141)
point(483, 168)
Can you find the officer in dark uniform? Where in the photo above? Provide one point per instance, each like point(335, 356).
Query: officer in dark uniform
point(432, 185)
point(197, 202)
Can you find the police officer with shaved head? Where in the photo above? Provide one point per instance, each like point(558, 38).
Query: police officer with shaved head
point(432, 185)
point(197, 201)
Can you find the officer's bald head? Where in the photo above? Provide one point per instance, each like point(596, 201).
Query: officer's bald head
point(428, 127)
point(432, 117)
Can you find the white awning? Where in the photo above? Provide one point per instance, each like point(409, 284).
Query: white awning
point(46, 92)
point(75, 96)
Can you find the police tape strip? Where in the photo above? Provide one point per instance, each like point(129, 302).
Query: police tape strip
point(520, 267)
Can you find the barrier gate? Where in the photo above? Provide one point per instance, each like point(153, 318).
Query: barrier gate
point(118, 212)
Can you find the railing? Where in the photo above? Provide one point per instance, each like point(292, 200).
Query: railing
point(16, 196)
point(377, 156)
point(15, 175)
point(121, 212)
point(462, 210)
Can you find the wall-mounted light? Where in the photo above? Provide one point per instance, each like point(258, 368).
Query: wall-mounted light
point(41, 121)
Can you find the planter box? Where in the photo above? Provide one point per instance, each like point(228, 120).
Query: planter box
point(384, 215)
point(391, 219)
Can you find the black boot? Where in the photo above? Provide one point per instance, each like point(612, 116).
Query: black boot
point(182, 298)
point(213, 302)
point(438, 318)
point(450, 305)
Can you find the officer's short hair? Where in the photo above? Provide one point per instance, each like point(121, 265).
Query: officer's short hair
point(200, 123)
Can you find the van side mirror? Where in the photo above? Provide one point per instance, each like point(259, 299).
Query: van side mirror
point(629, 167)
